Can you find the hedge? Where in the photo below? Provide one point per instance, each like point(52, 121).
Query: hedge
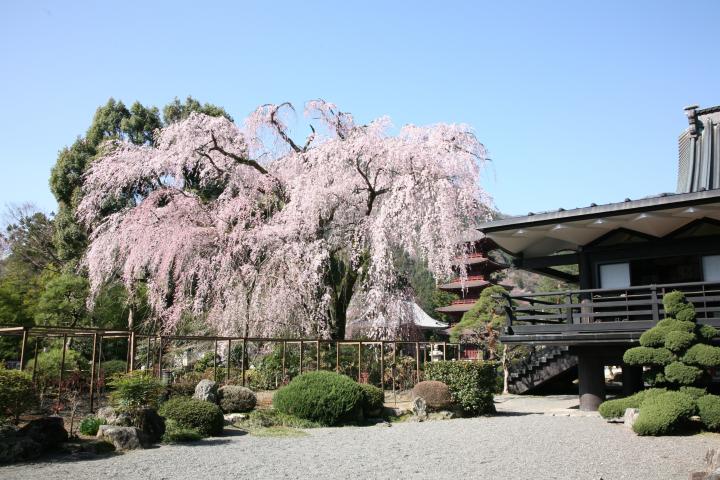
point(188, 413)
point(373, 399)
point(682, 374)
point(664, 414)
point(17, 393)
point(703, 355)
point(648, 356)
point(616, 408)
point(471, 383)
point(327, 398)
point(709, 411)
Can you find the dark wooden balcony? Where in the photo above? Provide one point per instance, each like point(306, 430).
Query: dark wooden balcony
point(600, 316)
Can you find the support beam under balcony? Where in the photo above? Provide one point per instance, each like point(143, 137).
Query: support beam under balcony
point(591, 376)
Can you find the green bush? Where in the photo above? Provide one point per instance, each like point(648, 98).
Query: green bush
point(673, 302)
point(648, 356)
point(686, 315)
point(48, 364)
point(274, 418)
point(672, 324)
point(204, 417)
point(706, 333)
point(681, 374)
point(324, 397)
point(17, 393)
point(664, 414)
point(234, 398)
point(694, 392)
point(177, 434)
point(373, 399)
point(655, 337)
point(709, 411)
point(675, 340)
point(90, 425)
point(616, 408)
point(113, 367)
point(703, 355)
point(471, 383)
point(136, 390)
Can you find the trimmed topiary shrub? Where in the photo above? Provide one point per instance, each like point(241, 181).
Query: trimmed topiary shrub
point(648, 356)
point(90, 425)
point(655, 337)
point(681, 374)
point(616, 408)
point(664, 414)
point(324, 397)
point(134, 391)
point(672, 324)
point(694, 392)
point(676, 341)
point(706, 333)
point(17, 393)
point(204, 417)
point(471, 383)
point(686, 315)
point(709, 411)
point(673, 302)
point(373, 400)
point(436, 394)
point(177, 434)
point(234, 398)
point(702, 355)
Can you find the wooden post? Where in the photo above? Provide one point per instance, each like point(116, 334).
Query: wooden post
point(317, 365)
point(92, 374)
point(444, 350)
point(62, 367)
point(99, 362)
point(359, 360)
point(417, 362)
point(131, 363)
point(160, 357)
point(301, 356)
point(284, 344)
point(394, 354)
point(382, 366)
point(22, 348)
point(242, 363)
point(215, 363)
point(337, 356)
point(147, 357)
point(37, 346)
point(227, 377)
point(458, 351)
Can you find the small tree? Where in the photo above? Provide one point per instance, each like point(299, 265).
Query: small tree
point(677, 350)
point(17, 394)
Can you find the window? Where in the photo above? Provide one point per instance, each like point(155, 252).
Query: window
point(711, 268)
point(615, 275)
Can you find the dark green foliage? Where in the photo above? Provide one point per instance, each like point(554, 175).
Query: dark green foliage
point(709, 411)
point(90, 425)
point(136, 390)
point(206, 361)
point(373, 399)
point(648, 356)
point(670, 324)
point(204, 417)
point(694, 392)
point(680, 374)
point(471, 383)
point(274, 418)
point(655, 337)
point(17, 394)
point(324, 397)
point(616, 408)
point(664, 414)
point(234, 398)
point(676, 341)
point(487, 310)
point(673, 302)
point(706, 333)
point(63, 302)
point(702, 355)
point(177, 110)
point(686, 315)
point(48, 364)
point(111, 368)
point(177, 434)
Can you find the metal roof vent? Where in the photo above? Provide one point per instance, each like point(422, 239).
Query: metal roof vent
point(699, 151)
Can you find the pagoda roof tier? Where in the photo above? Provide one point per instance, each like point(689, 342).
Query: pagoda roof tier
point(478, 258)
point(459, 306)
point(472, 283)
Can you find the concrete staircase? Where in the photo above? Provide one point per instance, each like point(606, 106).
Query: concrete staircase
point(545, 366)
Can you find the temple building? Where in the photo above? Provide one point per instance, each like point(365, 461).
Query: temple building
point(626, 255)
point(480, 270)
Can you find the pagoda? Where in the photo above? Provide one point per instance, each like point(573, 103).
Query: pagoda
point(480, 268)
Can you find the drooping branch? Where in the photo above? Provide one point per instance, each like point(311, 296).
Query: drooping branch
point(243, 161)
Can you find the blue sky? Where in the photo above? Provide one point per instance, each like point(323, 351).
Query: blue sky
point(577, 102)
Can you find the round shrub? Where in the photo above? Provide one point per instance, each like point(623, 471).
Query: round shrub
point(90, 425)
point(655, 337)
point(471, 384)
point(48, 364)
point(686, 314)
point(682, 374)
point(664, 414)
point(676, 340)
point(236, 399)
point(709, 411)
point(204, 417)
point(703, 355)
point(113, 367)
point(373, 399)
point(672, 324)
point(324, 397)
point(17, 393)
point(706, 333)
point(694, 392)
point(648, 356)
point(673, 302)
point(436, 394)
point(616, 408)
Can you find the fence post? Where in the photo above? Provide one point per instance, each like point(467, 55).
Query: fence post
point(147, 356)
point(99, 369)
point(284, 347)
point(569, 312)
point(444, 350)
point(417, 362)
point(131, 362)
point(215, 363)
point(337, 356)
point(37, 345)
point(92, 374)
point(242, 363)
point(302, 345)
point(317, 346)
point(382, 366)
point(359, 360)
point(458, 350)
point(22, 348)
point(227, 377)
point(160, 356)
point(654, 300)
point(62, 368)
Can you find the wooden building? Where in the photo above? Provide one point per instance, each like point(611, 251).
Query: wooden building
point(623, 257)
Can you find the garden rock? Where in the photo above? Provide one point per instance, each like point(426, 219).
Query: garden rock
point(49, 432)
point(123, 420)
point(436, 394)
point(420, 408)
point(206, 390)
point(108, 414)
point(123, 438)
point(15, 448)
point(232, 418)
point(442, 415)
point(152, 425)
point(234, 398)
point(630, 416)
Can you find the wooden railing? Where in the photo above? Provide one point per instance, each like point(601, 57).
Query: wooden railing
point(641, 303)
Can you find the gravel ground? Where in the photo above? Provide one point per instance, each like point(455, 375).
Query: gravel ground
point(508, 446)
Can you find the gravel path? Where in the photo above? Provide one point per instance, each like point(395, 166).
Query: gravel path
point(509, 446)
